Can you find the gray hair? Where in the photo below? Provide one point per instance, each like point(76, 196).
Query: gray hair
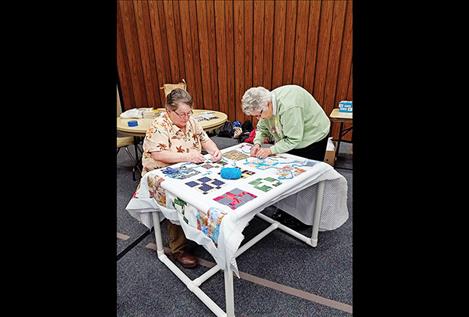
point(177, 96)
point(255, 99)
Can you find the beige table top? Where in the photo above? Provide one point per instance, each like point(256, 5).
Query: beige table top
point(338, 116)
point(144, 123)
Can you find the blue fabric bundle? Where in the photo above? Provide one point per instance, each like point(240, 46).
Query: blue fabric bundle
point(230, 172)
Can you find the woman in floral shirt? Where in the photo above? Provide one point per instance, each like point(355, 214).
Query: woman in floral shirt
point(176, 137)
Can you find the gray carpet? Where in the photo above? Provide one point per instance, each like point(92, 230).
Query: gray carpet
point(146, 287)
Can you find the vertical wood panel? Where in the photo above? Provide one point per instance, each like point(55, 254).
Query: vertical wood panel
point(268, 43)
point(157, 49)
point(334, 55)
point(279, 43)
point(258, 42)
point(164, 48)
point(179, 38)
point(300, 43)
point(230, 60)
point(238, 10)
point(221, 55)
point(212, 55)
point(345, 57)
point(311, 47)
point(248, 46)
point(197, 94)
point(133, 54)
point(187, 47)
point(290, 26)
point(222, 48)
point(204, 52)
point(146, 50)
point(323, 51)
point(171, 38)
point(123, 69)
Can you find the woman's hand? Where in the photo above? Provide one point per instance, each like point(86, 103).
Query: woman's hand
point(195, 157)
point(255, 149)
point(216, 155)
point(263, 153)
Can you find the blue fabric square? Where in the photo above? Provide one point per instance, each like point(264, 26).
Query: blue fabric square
point(217, 182)
point(205, 187)
point(192, 183)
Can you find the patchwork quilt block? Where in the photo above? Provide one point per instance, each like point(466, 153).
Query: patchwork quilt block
point(235, 155)
point(209, 222)
point(206, 184)
point(265, 184)
point(181, 172)
point(235, 198)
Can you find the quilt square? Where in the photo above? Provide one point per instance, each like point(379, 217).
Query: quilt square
point(235, 155)
point(265, 184)
point(209, 222)
point(206, 184)
point(235, 198)
point(181, 172)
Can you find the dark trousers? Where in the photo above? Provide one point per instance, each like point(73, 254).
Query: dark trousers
point(315, 151)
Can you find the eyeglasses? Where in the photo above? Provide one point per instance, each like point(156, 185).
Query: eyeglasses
point(260, 114)
point(184, 115)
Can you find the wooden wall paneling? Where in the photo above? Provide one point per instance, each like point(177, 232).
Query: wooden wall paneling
point(312, 44)
point(269, 39)
point(125, 84)
point(222, 48)
point(197, 94)
point(290, 27)
point(133, 53)
point(146, 53)
point(338, 21)
point(179, 43)
point(345, 67)
point(248, 48)
point(164, 48)
point(258, 43)
point(238, 22)
point(258, 46)
point(230, 60)
point(212, 55)
point(300, 42)
point(279, 43)
point(172, 39)
point(323, 51)
point(221, 55)
point(160, 70)
point(189, 77)
point(345, 57)
point(204, 52)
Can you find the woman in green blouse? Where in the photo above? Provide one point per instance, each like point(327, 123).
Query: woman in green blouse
point(291, 117)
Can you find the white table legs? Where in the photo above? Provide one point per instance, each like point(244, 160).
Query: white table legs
point(193, 285)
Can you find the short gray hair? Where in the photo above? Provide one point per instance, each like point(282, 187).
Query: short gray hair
point(177, 96)
point(255, 99)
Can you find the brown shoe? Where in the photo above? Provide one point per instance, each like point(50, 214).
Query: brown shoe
point(186, 259)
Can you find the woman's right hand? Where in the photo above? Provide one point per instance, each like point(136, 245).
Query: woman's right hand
point(195, 157)
point(255, 149)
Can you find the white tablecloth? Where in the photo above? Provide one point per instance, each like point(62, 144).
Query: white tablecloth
point(207, 218)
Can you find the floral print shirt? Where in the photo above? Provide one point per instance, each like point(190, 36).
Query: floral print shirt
point(164, 135)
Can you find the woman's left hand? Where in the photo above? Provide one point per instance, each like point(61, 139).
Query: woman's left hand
point(263, 153)
point(216, 155)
